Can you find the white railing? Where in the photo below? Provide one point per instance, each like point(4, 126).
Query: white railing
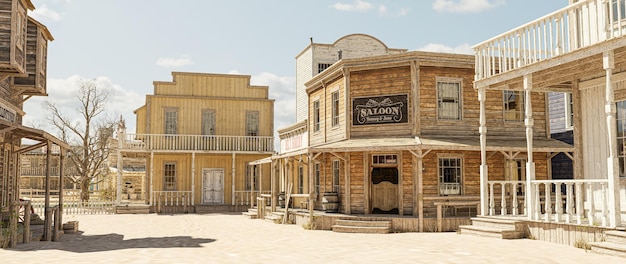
point(72, 205)
point(248, 197)
point(574, 27)
point(197, 142)
point(171, 198)
point(449, 188)
point(506, 197)
point(571, 201)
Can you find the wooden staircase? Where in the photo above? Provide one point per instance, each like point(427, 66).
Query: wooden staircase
point(614, 245)
point(251, 213)
point(494, 227)
point(362, 226)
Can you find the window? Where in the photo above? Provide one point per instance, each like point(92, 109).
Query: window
point(252, 123)
point(336, 176)
point(335, 98)
point(208, 122)
point(450, 176)
point(171, 120)
point(251, 172)
point(384, 159)
point(449, 100)
point(317, 177)
point(514, 106)
point(169, 177)
point(323, 66)
point(569, 111)
point(621, 137)
point(20, 26)
point(515, 170)
point(316, 116)
point(618, 10)
point(300, 179)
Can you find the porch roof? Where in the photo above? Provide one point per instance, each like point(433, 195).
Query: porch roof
point(21, 131)
point(443, 143)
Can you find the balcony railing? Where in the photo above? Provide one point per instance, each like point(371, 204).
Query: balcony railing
point(41, 171)
point(197, 142)
point(572, 28)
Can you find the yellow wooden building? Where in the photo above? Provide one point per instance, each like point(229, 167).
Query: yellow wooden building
point(198, 133)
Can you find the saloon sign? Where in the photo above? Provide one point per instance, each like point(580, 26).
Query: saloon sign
point(380, 110)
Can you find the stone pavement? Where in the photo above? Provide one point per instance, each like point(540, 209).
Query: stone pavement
point(231, 238)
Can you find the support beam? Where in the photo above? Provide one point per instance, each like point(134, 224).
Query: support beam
point(612, 162)
point(482, 94)
point(530, 165)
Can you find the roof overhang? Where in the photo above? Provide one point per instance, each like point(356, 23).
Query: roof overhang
point(23, 132)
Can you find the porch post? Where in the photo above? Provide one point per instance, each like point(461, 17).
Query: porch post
point(530, 165)
point(274, 199)
point(483, 153)
point(120, 165)
point(612, 165)
point(232, 176)
point(193, 177)
point(151, 194)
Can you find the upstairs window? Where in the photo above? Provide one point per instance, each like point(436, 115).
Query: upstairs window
point(514, 105)
point(323, 66)
point(335, 110)
point(171, 121)
point(252, 123)
point(449, 100)
point(569, 111)
point(208, 122)
point(316, 116)
point(618, 10)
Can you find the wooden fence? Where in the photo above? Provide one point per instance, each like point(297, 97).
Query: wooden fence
point(72, 205)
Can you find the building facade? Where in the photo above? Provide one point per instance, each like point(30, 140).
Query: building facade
point(197, 133)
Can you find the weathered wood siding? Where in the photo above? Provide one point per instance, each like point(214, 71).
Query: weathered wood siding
point(337, 132)
point(36, 60)
point(381, 82)
point(319, 136)
point(408, 183)
point(12, 50)
point(558, 109)
point(358, 176)
point(140, 119)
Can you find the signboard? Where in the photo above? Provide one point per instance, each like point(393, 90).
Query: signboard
point(7, 113)
point(380, 110)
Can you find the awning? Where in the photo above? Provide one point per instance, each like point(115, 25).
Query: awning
point(20, 131)
point(443, 143)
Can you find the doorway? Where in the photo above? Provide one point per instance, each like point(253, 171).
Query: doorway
point(212, 186)
point(384, 190)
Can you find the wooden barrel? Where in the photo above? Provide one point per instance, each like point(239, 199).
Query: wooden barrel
point(330, 202)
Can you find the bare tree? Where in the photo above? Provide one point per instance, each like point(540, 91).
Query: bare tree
point(86, 134)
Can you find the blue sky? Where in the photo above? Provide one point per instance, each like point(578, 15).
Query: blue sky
point(125, 45)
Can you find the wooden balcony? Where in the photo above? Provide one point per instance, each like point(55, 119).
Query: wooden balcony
point(207, 143)
point(13, 40)
point(564, 36)
point(34, 81)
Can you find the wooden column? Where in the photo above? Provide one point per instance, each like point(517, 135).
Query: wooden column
point(482, 94)
point(612, 162)
point(120, 166)
point(151, 192)
point(347, 182)
point(193, 178)
point(420, 189)
point(311, 186)
point(273, 186)
point(530, 165)
point(232, 176)
point(366, 184)
point(578, 135)
point(61, 178)
point(47, 221)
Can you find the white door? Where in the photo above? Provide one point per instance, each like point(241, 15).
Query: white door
point(213, 186)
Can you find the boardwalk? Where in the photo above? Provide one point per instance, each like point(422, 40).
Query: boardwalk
point(217, 238)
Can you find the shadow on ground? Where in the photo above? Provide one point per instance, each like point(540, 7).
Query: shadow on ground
point(96, 243)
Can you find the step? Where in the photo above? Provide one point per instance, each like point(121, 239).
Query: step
point(360, 229)
point(609, 248)
point(490, 232)
point(363, 223)
point(250, 215)
point(502, 224)
point(616, 237)
point(132, 209)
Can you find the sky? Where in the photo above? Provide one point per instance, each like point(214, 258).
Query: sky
point(126, 45)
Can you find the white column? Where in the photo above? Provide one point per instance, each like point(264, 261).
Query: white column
point(120, 166)
point(152, 198)
point(232, 194)
point(193, 177)
point(530, 165)
point(612, 165)
point(483, 152)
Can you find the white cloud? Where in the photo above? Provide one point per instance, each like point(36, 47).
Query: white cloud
point(44, 13)
point(465, 6)
point(462, 49)
point(384, 11)
point(62, 92)
point(357, 5)
point(174, 62)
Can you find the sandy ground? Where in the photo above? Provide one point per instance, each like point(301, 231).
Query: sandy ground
point(232, 238)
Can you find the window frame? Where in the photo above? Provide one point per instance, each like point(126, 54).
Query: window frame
point(441, 81)
point(520, 108)
point(317, 169)
point(323, 66)
point(169, 181)
point(336, 174)
point(620, 120)
point(441, 177)
point(169, 129)
point(208, 120)
point(252, 129)
point(335, 108)
point(569, 111)
point(316, 116)
point(300, 179)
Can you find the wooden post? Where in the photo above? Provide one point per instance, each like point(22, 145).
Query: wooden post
point(347, 183)
point(55, 230)
point(578, 135)
point(27, 208)
point(233, 180)
point(612, 162)
point(151, 193)
point(193, 179)
point(483, 152)
point(528, 121)
point(120, 165)
point(47, 221)
point(61, 178)
point(13, 215)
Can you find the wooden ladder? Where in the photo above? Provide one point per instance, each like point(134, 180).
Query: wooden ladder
point(287, 198)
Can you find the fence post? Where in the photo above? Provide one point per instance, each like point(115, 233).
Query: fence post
point(55, 229)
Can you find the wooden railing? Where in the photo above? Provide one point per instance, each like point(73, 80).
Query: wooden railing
point(172, 198)
point(41, 171)
point(197, 142)
point(580, 202)
point(248, 197)
point(572, 28)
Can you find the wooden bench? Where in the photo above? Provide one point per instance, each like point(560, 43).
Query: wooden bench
point(452, 203)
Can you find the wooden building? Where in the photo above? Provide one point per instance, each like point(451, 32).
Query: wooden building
point(580, 49)
point(23, 49)
point(398, 134)
point(197, 133)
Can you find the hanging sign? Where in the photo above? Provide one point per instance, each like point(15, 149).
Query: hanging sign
point(380, 110)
